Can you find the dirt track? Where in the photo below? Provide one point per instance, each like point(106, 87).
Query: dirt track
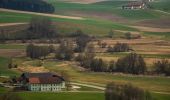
point(11, 24)
point(151, 29)
point(43, 14)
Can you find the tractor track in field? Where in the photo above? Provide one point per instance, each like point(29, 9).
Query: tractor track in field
point(42, 14)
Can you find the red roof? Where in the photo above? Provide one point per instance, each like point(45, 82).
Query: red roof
point(34, 80)
point(47, 80)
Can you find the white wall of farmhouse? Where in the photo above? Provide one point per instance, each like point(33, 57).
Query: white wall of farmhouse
point(46, 87)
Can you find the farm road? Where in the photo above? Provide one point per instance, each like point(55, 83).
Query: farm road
point(42, 14)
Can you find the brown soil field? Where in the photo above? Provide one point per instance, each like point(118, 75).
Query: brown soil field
point(160, 23)
point(11, 53)
point(151, 29)
point(32, 69)
point(99, 15)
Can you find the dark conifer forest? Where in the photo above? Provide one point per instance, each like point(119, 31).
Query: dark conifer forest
point(28, 5)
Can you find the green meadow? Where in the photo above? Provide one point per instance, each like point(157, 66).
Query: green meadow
point(4, 70)
point(12, 46)
point(75, 96)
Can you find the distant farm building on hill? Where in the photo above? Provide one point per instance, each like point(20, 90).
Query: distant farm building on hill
point(134, 5)
point(42, 82)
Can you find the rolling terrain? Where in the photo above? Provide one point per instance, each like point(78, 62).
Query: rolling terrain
point(95, 18)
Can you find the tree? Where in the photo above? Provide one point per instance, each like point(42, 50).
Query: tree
point(65, 51)
point(36, 52)
point(128, 35)
point(125, 92)
point(82, 40)
point(132, 63)
point(41, 27)
point(162, 67)
point(67, 80)
point(119, 47)
point(112, 66)
point(98, 65)
point(2, 36)
point(111, 34)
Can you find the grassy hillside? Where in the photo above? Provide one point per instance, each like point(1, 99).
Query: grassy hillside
point(111, 7)
point(89, 26)
point(161, 5)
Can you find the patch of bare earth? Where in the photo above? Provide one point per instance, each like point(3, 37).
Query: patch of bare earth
point(151, 29)
point(98, 15)
point(32, 69)
point(159, 23)
point(12, 53)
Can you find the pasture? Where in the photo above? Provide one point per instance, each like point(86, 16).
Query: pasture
point(75, 96)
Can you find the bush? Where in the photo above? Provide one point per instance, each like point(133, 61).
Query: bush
point(125, 92)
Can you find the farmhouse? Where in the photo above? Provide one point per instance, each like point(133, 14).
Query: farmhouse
point(134, 5)
point(42, 82)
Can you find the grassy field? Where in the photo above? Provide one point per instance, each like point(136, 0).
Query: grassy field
point(112, 7)
point(75, 96)
point(161, 5)
point(12, 46)
point(162, 35)
point(61, 96)
point(4, 68)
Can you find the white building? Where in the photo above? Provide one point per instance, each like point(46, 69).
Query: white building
point(134, 5)
point(42, 82)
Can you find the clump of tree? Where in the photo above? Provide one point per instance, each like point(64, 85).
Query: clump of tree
point(132, 63)
point(119, 47)
point(98, 65)
point(36, 52)
point(65, 50)
point(41, 27)
point(28, 5)
point(125, 92)
point(2, 36)
point(101, 44)
point(162, 67)
point(111, 34)
point(11, 64)
point(129, 36)
point(86, 57)
point(81, 40)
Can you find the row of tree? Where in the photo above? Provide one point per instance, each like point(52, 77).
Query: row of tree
point(162, 67)
point(119, 47)
point(28, 5)
point(132, 63)
point(37, 52)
